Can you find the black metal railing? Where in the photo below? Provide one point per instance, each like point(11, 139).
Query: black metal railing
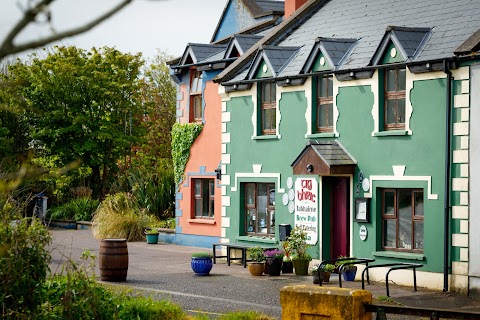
point(393, 266)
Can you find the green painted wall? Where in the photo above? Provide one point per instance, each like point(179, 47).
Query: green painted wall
point(387, 58)
point(422, 153)
point(318, 67)
point(261, 73)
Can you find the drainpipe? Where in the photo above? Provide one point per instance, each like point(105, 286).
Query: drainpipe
point(446, 217)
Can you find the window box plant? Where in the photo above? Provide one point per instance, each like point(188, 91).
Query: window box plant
point(274, 260)
point(152, 236)
point(297, 244)
point(201, 263)
point(257, 264)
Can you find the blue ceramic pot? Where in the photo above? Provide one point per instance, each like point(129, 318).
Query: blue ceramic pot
point(201, 266)
point(349, 275)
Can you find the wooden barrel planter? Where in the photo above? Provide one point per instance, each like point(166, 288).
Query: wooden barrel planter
point(113, 260)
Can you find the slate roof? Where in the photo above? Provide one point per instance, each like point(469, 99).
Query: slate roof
point(451, 22)
point(279, 56)
point(331, 152)
point(246, 41)
point(202, 51)
point(271, 6)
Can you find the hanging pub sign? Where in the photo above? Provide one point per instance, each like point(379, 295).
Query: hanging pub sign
point(306, 207)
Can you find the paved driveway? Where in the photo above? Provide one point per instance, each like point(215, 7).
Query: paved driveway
point(163, 271)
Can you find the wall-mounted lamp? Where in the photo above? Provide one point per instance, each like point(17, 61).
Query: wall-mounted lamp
point(352, 74)
point(309, 167)
point(287, 81)
point(428, 66)
point(210, 65)
point(235, 86)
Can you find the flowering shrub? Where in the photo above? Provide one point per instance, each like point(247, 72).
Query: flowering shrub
point(273, 253)
point(297, 244)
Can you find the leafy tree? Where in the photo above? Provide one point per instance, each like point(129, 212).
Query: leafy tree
point(159, 103)
point(82, 106)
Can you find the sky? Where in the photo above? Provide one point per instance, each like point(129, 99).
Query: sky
point(143, 26)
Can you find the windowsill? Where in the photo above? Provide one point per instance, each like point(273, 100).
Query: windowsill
point(321, 135)
point(202, 221)
point(400, 255)
point(391, 133)
point(256, 239)
point(266, 137)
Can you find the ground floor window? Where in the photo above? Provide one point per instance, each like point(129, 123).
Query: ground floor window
point(203, 198)
point(259, 208)
point(402, 218)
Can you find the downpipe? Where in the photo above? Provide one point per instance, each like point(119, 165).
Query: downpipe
point(446, 213)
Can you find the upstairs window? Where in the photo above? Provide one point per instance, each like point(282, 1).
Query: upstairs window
point(325, 103)
point(269, 107)
point(402, 217)
point(394, 103)
point(203, 198)
point(196, 83)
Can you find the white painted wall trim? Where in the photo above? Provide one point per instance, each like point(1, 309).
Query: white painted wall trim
point(256, 173)
point(398, 176)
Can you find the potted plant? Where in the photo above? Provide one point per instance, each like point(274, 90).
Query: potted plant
point(257, 265)
point(201, 263)
point(326, 270)
point(287, 265)
point(151, 236)
point(297, 244)
point(274, 260)
point(349, 271)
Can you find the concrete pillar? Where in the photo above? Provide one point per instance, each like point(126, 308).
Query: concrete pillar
point(302, 302)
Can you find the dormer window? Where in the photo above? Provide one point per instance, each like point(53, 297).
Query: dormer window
point(394, 98)
point(196, 83)
point(325, 103)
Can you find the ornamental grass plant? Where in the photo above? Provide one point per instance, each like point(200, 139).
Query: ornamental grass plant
point(118, 216)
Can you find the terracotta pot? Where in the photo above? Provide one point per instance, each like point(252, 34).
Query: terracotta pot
point(326, 276)
point(256, 268)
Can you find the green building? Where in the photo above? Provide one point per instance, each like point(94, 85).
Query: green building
point(359, 121)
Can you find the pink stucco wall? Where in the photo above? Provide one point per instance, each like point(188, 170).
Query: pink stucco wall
point(206, 151)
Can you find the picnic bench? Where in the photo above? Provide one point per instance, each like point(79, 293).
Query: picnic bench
point(238, 246)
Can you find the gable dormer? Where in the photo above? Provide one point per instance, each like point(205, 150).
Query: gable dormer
point(239, 44)
point(269, 61)
point(196, 52)
point(328, 54)
point(400, 44)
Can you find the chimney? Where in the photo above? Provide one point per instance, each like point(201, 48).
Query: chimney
point(292, 5)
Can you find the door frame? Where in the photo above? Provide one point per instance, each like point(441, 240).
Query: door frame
point(350, 197)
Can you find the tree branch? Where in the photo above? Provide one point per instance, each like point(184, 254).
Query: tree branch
point(8, 47)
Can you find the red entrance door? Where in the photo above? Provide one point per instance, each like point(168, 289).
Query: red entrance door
point(340, 241)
